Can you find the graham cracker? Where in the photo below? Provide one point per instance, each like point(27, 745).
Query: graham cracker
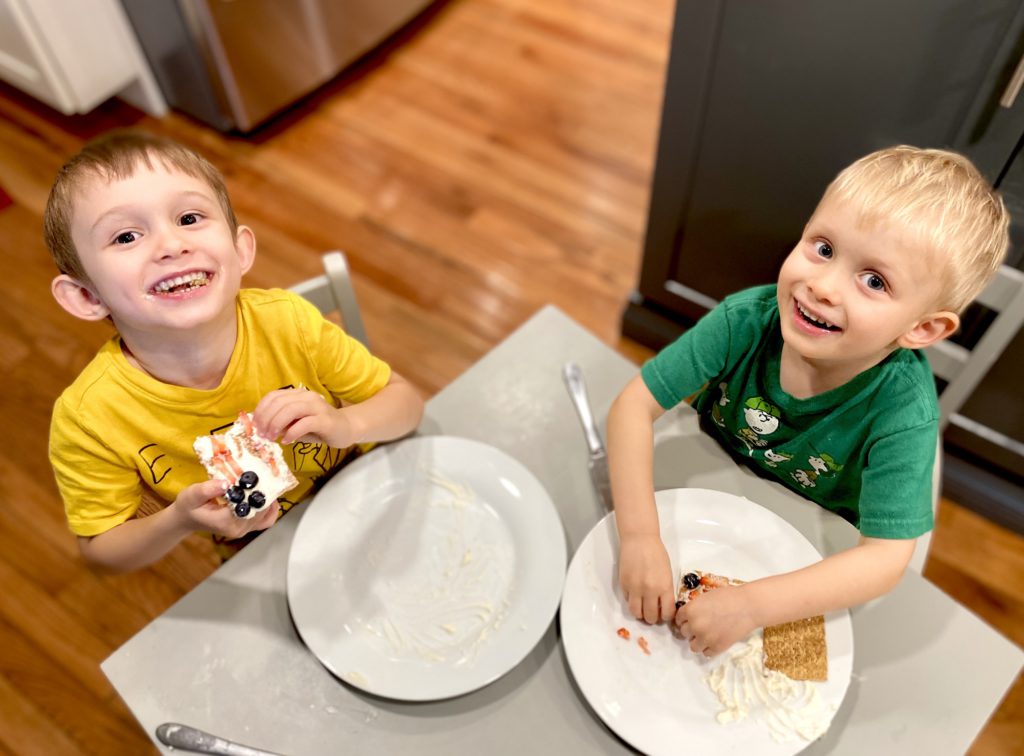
point(797, 649)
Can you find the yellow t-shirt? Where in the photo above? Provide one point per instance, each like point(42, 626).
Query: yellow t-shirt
point(117, 429)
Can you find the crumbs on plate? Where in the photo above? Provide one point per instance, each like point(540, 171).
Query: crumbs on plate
point(640, 641)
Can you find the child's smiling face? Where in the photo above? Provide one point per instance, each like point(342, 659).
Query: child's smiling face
point(850, 293)
point(158, 249)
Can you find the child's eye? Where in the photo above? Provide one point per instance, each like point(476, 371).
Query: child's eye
point(189, 219)
point(126, 237)
point(824, 249)
point(873, 281)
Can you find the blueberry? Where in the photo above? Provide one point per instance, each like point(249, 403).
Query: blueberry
point(242, 508)
point(235, 494)
point(691, 580)
point(257, 499)
point(249, 479)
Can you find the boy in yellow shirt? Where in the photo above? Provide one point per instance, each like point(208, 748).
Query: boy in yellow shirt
point(143, 233)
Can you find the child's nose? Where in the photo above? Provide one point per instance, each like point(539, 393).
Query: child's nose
point(172, 242)
point(825, 285)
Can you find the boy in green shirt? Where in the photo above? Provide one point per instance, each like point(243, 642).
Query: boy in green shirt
point(817, 381)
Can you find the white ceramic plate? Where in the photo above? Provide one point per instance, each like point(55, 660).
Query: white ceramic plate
point(660, 703)
point(427, 569)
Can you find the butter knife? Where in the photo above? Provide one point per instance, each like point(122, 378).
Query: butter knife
point(597, 462)
point(191, 739)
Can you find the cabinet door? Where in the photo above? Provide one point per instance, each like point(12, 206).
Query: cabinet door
point(25, 61)
point(72, 55)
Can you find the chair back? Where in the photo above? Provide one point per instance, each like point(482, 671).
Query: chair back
point(963, 368)
point(333, 292)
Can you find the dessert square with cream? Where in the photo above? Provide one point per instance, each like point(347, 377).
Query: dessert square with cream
point(253, 466)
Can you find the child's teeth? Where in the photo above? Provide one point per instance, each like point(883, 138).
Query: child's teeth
point(190, 278)
point(815, 318)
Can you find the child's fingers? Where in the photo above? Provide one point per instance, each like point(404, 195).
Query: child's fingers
point(230, 526)
point(211, 489)
point(273, 417)
point(651, 609)
point(310, 425)
point(698, 646)
point(684, 630)
point(667, 601)
point(267, 406)
point(636, 605)
point(199, 494)
point(282, 416)
point(278, 409)
point(266, 518)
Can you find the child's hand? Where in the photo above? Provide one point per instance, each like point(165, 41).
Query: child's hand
point(645, 574)
point(715, 620)
point(201, 508)
point(291, 415)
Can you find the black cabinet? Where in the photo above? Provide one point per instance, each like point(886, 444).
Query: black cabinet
point(766, 100)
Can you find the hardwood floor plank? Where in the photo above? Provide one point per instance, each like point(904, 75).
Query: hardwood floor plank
point(26, 730)
point(35, 614)
point(989, 580)
point(38, 507)
point(96, 726)
point(52, 566)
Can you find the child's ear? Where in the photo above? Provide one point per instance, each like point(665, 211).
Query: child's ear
point(935, 327)
point(77, 298)
point(245, 246)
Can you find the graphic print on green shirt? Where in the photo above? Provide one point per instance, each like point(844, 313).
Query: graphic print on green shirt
point(864, 450)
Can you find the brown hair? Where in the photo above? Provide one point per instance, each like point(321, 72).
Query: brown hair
point(944, 201)
point(117, 155)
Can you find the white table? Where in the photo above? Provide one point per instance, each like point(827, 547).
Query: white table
point(926, 673)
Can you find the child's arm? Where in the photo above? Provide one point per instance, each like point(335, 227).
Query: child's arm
point(645, 571)
point(717, 619)
point(140, 542)
point(295, 414)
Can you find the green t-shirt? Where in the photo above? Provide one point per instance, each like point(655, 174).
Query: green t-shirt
point(864, 450)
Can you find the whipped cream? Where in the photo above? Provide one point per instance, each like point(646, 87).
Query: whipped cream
point(791, 709)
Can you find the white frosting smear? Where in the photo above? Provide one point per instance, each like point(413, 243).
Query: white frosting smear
point(454, 589)
point(791, 709)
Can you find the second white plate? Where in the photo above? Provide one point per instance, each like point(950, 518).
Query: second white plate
point(427, 569)
point(660, 702)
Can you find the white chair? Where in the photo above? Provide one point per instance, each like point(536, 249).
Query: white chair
point(963, 369)
point(333, 292)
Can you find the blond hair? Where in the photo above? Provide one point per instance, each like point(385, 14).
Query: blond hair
point(117, 155)
point(944, 202)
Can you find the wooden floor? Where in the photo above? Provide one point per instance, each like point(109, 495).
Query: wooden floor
point(495, 159)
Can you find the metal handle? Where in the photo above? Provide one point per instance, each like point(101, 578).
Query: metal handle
point(573, 377)
point(1013, 88)
point(191, 739)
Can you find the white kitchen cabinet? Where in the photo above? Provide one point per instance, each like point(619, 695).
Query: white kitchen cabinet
point(74, 54)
